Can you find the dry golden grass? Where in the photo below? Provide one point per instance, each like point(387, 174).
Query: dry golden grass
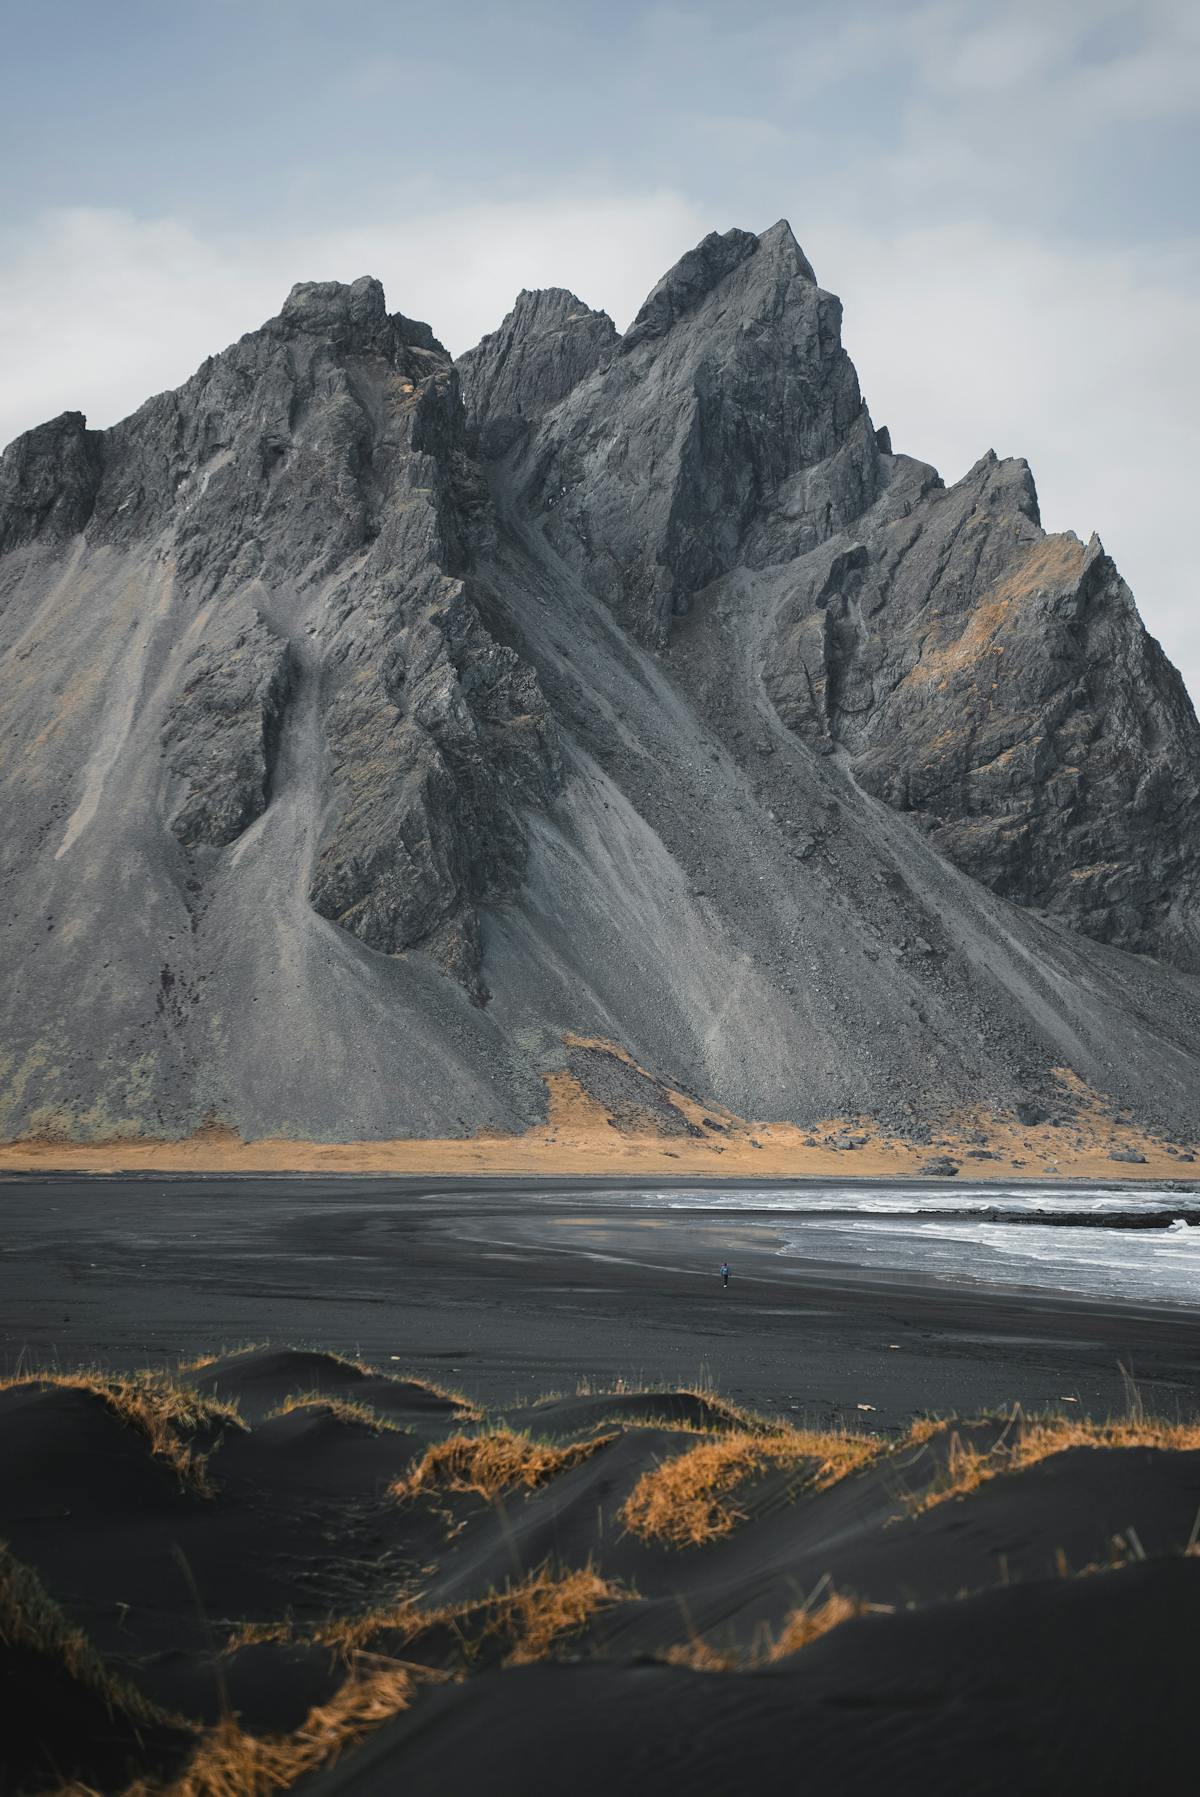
point(1026, 1441)
point(198, 1363)
point(30, 1618)
point(345, 1410)
point(689, 1500)
point(228, 1762)
point(923, 1430)
point(492, 1463)
point(587, 1387)
point(724, 1413)
point(544, 1608)
point(468, 1410)
point(805, 1625)
point(167, 1414)
point(800, 1627)
point(532, 1615)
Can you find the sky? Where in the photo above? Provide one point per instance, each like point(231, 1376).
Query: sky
point(1004, 195)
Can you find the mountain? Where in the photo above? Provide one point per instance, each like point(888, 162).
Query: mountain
point(377, 727)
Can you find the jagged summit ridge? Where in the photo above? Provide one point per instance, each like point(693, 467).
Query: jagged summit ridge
point(731, 381)
point(543, 349)
point(378, 719)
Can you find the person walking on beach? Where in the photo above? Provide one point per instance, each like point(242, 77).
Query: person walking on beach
point(725, 1274)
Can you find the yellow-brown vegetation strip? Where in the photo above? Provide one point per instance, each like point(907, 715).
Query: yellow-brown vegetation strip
point(800, 1627)
point(577, 1137)
point(198, 1362)
point(468, 1410)
point(532, 1615)
point(1026, 1441)
point(345, 1410)
point(491, 1463)
point(544, 1608)
point(689, 1499)
point(30, 1618)
point(805, 1625)
point(165, 1413)
point(722, 1413)
point(231, 1763)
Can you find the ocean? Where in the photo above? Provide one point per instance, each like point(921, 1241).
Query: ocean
point(1092, 1243)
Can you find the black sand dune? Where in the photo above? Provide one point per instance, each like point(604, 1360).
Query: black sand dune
point(307, 1528)
point(1085, 1686)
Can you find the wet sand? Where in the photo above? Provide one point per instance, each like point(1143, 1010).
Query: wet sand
point(513, 1288)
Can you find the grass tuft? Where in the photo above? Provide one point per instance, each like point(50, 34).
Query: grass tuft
point(150, 1401)
point(800, 1627)
point(200, 1361)
point(807, 1624)
point(30, 1618)
point(228, 1762)
point(531, 1615)
point(346, 1410)
point(468, 1410)
point(688, 1500)
point(541, 1610)
point(1027, 1440)
point(492, 1463)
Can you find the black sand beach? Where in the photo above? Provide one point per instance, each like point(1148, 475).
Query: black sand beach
point(325, 1568)
point(514, 1288)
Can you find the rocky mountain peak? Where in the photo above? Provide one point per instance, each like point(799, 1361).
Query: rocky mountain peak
point(348, 315)
point(334, 307)
point(682, 288)
point(647, 694)
point(731, 382)
point(777, 257)
point(1006, 481)
point(48, 481)
point(546, 345)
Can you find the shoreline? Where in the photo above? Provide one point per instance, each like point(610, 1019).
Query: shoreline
point(545, 1184)
point(511, 1292)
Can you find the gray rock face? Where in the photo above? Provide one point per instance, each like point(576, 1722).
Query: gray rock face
point(547, 344)
point(731, 382)
point(221, 734)
point(321, 461)
point(373, 723)
point(997, 684)
point(48, 482)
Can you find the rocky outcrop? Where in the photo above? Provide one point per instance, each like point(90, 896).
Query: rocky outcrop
point(312, 483)
point(48, 482)
point(221, 735)
point(731, 382)
point(547, 344)
point(377, 728)
point(996, 684)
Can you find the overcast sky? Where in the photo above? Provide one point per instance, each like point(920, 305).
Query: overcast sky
point(1004, 195)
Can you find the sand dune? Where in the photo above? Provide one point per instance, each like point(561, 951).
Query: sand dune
point(275, 1563)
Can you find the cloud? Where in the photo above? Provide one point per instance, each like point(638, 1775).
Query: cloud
point(99, 309)
point(966, 337)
